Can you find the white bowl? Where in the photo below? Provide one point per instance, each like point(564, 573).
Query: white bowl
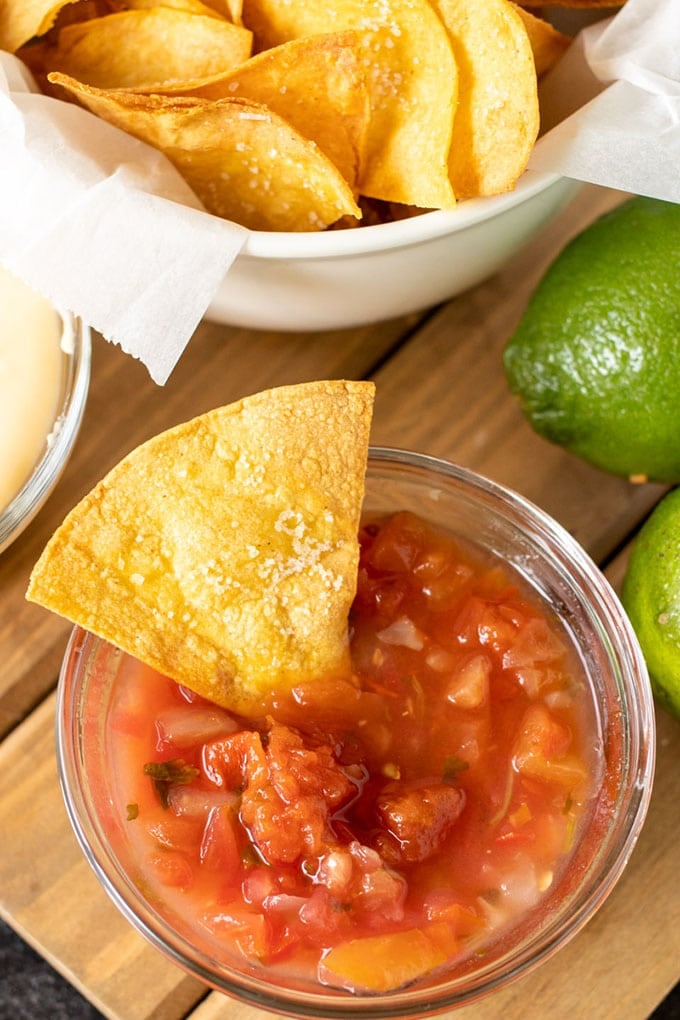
point(342, 278)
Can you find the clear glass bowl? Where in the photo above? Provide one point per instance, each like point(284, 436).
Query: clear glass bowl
point(75, 383)
point(570, 584)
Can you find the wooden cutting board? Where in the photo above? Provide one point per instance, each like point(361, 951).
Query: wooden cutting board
point(441, 390)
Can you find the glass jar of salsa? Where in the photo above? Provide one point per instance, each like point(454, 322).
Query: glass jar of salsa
point(411, 835)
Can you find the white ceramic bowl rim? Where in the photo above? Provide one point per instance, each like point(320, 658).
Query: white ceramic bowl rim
point(399, 234)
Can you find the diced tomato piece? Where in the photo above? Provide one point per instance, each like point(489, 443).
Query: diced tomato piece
point(288, 814)
point(535, 642)
point(258, 884)
point(419, 818)
point(220, 852)
point(227, 762)
point(462, 921)
point(357, 879)
point(552, 835)
point(246, 929)
point(541, 750)
point(172, 832)
point(447, 587)
point(296, 770)
point(381, 963)
point(398, 545)
point(496, 629)
point(325, 918)
point(382, 596)
point(540, 735)
point(379, 900)
point(171, 868)
point(468, 687)
point(289, 790)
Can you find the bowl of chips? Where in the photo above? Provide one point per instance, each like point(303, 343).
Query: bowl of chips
point(339, 279)
point(345, 732)
point(376, 152)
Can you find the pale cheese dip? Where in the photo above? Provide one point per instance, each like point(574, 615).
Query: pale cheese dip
point(31, 366)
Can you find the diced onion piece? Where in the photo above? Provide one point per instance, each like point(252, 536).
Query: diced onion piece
point(335, 872)
point(469, 687)
point(441, 660)
point(284, 903)
point(403, 632)
point(183, 729)
point(194, 803)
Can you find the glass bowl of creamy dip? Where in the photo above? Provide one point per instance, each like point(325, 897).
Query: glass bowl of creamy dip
point(44, 381)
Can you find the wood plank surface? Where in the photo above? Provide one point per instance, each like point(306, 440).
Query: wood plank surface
point(441, 390)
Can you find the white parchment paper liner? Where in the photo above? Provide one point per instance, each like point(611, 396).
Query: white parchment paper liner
point(104, 226)
point(615, 101)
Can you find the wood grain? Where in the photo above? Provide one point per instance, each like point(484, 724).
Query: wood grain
point(441, 389)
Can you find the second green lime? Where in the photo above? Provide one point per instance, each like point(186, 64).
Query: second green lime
point(595, 360)
point(651, 597)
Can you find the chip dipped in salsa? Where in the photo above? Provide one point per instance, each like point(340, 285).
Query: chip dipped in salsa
point(376, 827)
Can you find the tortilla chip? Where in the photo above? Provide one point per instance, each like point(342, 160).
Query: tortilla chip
point(573, 3)
point(232, 10)
point(316, 83)
point(497, 119)
point(188, 6)
point(24, 19)
point(547, 43)
point(224, 552)
point(145, 47)
point(242, 161)
point(411, 77)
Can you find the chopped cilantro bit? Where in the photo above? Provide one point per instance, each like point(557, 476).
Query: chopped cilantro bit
point(453, 765)
point(164, 774)
point(132, 812)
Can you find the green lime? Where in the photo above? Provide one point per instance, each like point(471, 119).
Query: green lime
point(595, 360)
point(651, 597)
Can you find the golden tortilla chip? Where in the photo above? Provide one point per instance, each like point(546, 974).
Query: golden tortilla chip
point(224, 552)
point(145, 47)
point(21, 20)
point(573, 3)
point(497, 118)
point(411, 77)
point(547, 43)
point(243, 162)
point(316, 83)
point(232, 10)
point(189, 6)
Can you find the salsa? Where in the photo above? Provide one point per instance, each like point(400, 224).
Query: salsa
point(365, 831)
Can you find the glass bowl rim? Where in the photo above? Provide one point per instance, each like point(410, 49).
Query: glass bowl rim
point(26, 503)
